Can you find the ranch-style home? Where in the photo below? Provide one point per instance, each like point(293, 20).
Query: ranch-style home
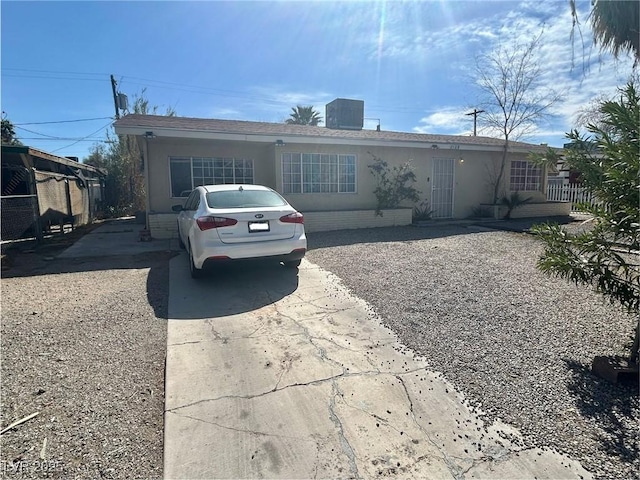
point(324, 171)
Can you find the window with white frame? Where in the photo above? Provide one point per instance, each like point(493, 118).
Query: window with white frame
point(318, 173)
point(190, 172)
point(525, 176)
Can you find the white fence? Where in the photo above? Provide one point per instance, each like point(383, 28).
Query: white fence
point(573, 193)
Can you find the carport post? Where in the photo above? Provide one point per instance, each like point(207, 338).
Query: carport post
point(37, 219)
point(145, 166)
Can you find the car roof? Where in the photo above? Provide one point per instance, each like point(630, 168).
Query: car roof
point(228, 187)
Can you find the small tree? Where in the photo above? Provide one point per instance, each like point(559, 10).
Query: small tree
point(8, 132)
point(513, 101)
point(513, 201)
point(605, 257)
point(590, 113)
point(302, 115)
point(124, 185)
point(393, 185)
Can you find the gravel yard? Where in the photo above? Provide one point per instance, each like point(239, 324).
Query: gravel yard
point(83, 343)
point(515, 342)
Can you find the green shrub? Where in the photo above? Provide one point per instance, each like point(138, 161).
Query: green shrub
point(393, 185)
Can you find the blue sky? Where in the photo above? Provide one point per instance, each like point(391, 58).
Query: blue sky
point(411, 62)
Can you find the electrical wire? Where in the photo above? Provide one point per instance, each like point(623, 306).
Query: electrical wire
point(51, 71)
point(194, 89)
point(38, 133)
point(62, 121)
point(82, 139)
point(263, 99)
point(187, 88)
point(63, 139)
point(54, 78)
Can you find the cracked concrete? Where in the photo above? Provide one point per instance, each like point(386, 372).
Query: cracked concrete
point(276, 375)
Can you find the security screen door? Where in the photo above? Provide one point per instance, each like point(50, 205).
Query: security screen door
point(442, 188)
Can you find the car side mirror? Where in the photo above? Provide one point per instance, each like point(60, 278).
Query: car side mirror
point(177, 208)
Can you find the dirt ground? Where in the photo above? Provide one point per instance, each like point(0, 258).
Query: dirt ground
point(83, 345)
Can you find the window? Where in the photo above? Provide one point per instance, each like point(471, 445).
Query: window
point(525, 176)
point(180, 177)
point(244, 199)
point(190, 172)
point(318, 173)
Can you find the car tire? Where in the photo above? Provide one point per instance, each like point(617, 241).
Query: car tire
point(195, 272)
point(180, 242)
point(293, 263)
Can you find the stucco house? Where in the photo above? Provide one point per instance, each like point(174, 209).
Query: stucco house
point(323, 171)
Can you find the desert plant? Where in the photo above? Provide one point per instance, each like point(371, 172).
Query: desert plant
point(606, 256)
point(422, 212)
point(512, 202)
point(393, 185)
point(481, 212)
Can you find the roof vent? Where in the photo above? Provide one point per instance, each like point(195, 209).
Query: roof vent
point(345, 114)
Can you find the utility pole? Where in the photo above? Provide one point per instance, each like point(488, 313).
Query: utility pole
point(475, 117)
point(115, 96)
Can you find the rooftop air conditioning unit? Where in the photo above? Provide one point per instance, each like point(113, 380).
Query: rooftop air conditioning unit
point(345, 114)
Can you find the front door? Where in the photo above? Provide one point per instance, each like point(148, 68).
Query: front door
point(442, 188)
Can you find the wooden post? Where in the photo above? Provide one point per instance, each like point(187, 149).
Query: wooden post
point(69, 206)
point(37, 219)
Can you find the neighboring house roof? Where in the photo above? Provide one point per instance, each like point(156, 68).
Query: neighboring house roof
point(30, 157)
point(165, 126)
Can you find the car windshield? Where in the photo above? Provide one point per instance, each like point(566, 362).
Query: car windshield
point(244, 199)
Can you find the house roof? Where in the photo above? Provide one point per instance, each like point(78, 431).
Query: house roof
point(135, 124)
point(33, 158)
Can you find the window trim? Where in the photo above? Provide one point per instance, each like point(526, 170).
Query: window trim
point(302, 192)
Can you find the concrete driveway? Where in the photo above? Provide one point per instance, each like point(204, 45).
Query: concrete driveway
point(273, 373)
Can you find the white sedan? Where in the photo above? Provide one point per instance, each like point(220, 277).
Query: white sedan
point(220, 223)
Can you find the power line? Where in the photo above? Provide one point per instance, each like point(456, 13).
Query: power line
point(48, 137)
point(52, 78)
point(206, 91)
point(62, 121)
point(190, 88)
point(82, 139)
point(37, 133)
point(51, 71)
point(162, 82)
point(63, 139)
point(194, 89)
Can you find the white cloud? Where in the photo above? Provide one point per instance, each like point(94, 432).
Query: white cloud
point(449, 120)
point(224, 113)
point(270, 104)
point(577, 73)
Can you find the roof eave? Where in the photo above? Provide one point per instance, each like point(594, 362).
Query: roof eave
point(289, 138)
